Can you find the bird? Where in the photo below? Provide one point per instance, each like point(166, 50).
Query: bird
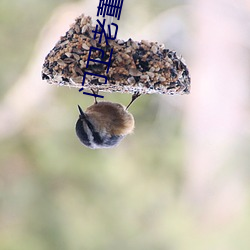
point(104, 124)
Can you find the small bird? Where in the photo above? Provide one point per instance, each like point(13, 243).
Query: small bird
point(104, 124)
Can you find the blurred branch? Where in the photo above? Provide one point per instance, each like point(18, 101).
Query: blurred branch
point(30, 92)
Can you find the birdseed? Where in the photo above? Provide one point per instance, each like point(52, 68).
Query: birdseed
point(144, 67)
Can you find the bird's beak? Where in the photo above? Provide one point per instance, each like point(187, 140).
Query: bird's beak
point(82, 115)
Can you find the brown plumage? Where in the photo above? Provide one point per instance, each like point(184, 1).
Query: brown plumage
point(110, 117)
point(104, 124)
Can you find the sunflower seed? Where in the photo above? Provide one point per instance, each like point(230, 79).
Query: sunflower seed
point(85, 46)
point(135, 72)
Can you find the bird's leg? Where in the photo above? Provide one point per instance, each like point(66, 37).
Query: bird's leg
point(95, 93)
point(134, 97)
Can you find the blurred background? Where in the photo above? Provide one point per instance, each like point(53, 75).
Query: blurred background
point(180, 182)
